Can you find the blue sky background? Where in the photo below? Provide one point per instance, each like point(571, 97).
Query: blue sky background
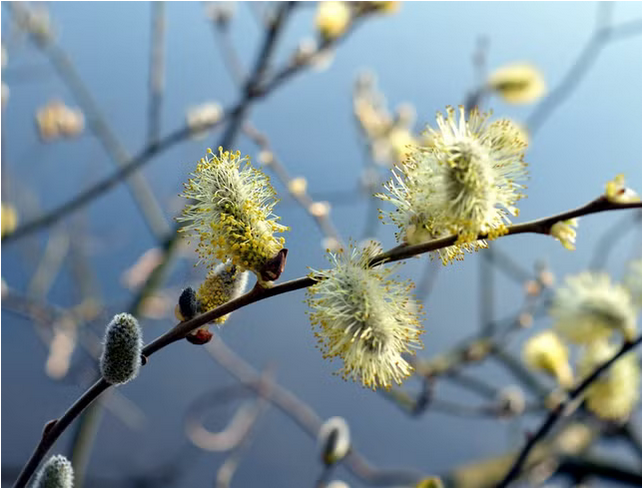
point(421, 55)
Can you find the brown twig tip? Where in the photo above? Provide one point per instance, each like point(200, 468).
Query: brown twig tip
point(275, 266)
point(199, 336)
point(48, 426)
point(143, 360)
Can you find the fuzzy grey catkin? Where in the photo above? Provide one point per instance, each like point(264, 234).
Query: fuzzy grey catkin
point(121, 358)
point(56, 473)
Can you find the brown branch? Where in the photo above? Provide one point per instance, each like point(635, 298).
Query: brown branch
point(258, 294)
point(555, 414)
point(541, 226)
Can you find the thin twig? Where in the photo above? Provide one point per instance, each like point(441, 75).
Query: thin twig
point(231, 59)
point(541, 226)
point(156, 72)
point(103, 186)
point(594, 467)
point(602, 35)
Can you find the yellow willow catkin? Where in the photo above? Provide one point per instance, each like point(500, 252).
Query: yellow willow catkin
point(231, 213)
point(591, 307)
point(366, 319)
point(464, 182)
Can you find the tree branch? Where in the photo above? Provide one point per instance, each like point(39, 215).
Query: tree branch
point(258, 293)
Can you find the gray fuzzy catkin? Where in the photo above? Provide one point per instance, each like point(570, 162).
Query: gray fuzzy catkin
point(120, 361)
point(56, 473)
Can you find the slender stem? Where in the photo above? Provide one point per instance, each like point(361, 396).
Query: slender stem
point(264, 57)
point(603, 34)
point(258, 293)
point(83, 439)
point(555, 414)
point(103, 186)
point(156, 72)
point(541, 226)
point(53, 431)
point(597, 468)
point(231, 58)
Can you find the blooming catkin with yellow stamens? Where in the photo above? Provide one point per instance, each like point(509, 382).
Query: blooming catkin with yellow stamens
point(545, 352)
point(590, 307)
point(614, 394)
point(365, 318)
point(464, 183)
point(231, 212)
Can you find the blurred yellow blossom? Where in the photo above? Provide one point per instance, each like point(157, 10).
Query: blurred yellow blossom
point(56, 120)
point(633, 281)
point(9, 219)
point(402, 143)
point(298, 186)
point(590, 307)
point(430, 482)
point(319, 209)
point(332, 19)
point(518, 83)
point(201, 117)
point(614, 394)
point(545, 352)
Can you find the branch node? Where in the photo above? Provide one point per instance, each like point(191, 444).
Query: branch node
point(48, 426)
